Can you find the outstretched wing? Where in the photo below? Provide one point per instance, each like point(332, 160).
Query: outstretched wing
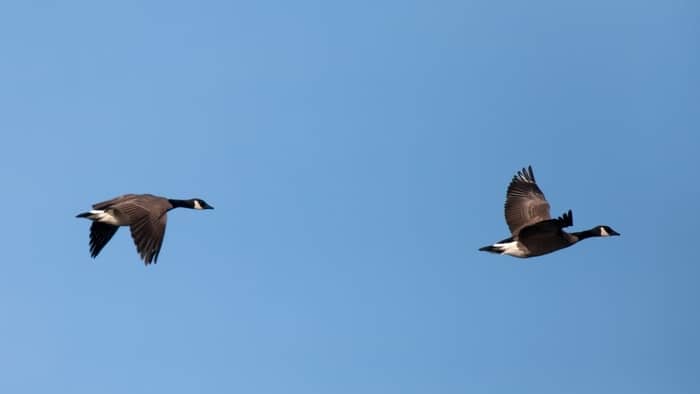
point(147, 227)
point(100, 234)
point(525, 202)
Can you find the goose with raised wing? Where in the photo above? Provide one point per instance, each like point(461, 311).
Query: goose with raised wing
point(533, 231)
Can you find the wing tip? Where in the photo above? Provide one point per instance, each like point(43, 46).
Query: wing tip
point(567, 219)
point(526, 174)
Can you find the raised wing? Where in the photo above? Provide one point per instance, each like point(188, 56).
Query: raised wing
point(525, 202)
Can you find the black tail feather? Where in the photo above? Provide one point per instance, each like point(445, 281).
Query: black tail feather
point(490, 248)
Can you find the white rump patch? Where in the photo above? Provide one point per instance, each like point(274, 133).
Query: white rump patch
point(104, 217)
point(603, 233)
point(197, 205)
point(511, 248)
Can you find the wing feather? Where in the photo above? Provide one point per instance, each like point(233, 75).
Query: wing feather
point(100, 234)
point(525, 203)
point(147, 230)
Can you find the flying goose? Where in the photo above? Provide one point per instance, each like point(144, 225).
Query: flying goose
point(145, 214)
point(534, 232)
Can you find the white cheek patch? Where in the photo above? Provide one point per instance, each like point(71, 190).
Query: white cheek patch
point(197, 205)
point(603, 233)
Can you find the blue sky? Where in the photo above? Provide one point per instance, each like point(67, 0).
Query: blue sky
point(357, 155)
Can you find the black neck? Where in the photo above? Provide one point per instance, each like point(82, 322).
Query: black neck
point(181, 203)
point(586, 234)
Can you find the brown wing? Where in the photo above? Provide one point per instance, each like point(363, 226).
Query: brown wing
point(116, 200)
point(148, 215)
point(148, 237)
point(100, 234)
point(525, 202)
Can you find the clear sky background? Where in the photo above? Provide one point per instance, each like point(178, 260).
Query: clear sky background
point(357, 154)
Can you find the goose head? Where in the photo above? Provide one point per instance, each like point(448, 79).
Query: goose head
point(198, 203)
point(605, 231)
